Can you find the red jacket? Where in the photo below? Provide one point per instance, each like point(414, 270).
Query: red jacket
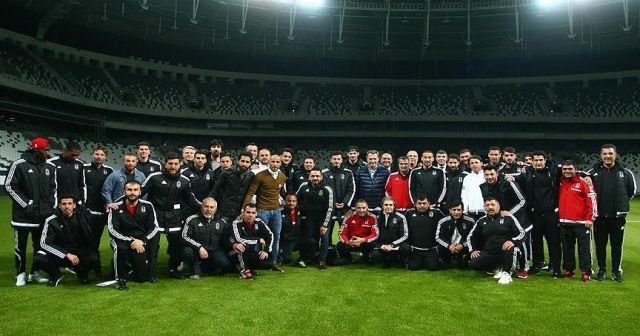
point(362, 227)
point(576, 201)
point(398, 187)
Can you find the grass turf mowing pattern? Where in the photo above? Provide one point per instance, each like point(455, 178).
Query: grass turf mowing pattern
point(341, 300)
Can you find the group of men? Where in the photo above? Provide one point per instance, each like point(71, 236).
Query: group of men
point(432, 211)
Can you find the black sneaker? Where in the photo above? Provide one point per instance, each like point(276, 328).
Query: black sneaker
point(175, 275)
point(153, 279)
point(122, 285)
point(601, 276)
point(276, 268)
point(534, 270)
point(54, 280)
point(617, 277)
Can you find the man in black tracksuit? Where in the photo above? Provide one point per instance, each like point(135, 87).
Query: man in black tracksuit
point(95, 173)
point(452, 234)
point(539, 184)
point(207, 241)
point(171, 195)
point(200, 175)
point(354, 162)
point(134, 231)
point(300, 176)
point(316, 206)
point(615, 186)
point(493, 239)
point(146, 165)
point(393, 233)
point(342, 182)
point(428, 181)
point(70, 173)
point(67, 241)
point(292, 235)
point(455, 176)
point(252, 241)
point(421, 249)
point(511, 200)
point(231, 187)
point(31, 184)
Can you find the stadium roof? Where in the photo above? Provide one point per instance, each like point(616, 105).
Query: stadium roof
point(409, 29)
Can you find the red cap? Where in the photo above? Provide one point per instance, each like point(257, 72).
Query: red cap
point(39, 143)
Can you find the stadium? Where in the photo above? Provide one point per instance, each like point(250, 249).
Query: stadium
point(319, 76)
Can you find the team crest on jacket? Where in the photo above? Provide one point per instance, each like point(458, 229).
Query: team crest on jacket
point(433, 172)
point(46, 172)
point(217, 226)
point(151, 168)
point(320, 193)
point(143, 209)
point(342, 176)
point(207, 177)
point(621, 175)
point(104, 172)
point(501, 220)
point(178, 184)
point(460, 179)
point(77, 166)
point(430, 214)
point(395, 221)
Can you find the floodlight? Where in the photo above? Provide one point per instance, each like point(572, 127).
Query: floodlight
point(549, 3)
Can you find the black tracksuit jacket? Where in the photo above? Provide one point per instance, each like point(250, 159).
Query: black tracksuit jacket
point(142, 225)
point(202, 181)
point(423, 227)
point(490, 233)
point(70, 178)
point(62, 235)
point(94, 178)
point(448, 225)
point(211, 234)
point(394, 230)
point(316, 203)
point(172, 199)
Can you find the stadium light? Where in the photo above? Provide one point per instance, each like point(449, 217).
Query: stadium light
point(549, 3)
point(304, 3)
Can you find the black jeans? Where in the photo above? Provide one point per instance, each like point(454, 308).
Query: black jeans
point(609, 230)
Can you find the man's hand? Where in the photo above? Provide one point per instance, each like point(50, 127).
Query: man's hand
point(339, 205)
point(348, 213)
point(387, 248)
point(238, 247)
point(507, 245)
point(509, 178)
point(475, 254)
point(588, 180)
point(452, 248)
point(263, 255)
point(504, 213)
point(112, 206)
point(203, 253)
point(323, 230)
point(262, 242)
point(459, 248)
point(588, 224)
point(73, 259)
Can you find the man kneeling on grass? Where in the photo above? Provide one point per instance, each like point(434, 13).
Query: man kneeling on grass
point(67, 242)
point(492, 242)
point(357, 234)
point(252, 241)
point(134, 237)
point(207, 241)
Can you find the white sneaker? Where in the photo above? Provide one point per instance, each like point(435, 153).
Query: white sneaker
point(35, 277)
point(21, 279)
point(497, 273)
point(505, 278)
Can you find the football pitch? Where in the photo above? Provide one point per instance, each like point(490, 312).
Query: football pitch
point(352, 300)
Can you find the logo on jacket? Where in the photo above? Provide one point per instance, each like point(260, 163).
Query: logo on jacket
point(430, 214)
point(200, 225)
point(501, 220)
point(104, 172)
point(433, 172)
point(320, 193)
point(30, 171)
point(621, 175)
point(143, 209)
point(77, 166)
point(46, 172)
point(164, 182)
point(191, 176)
point(178, 184)
point(341, 176)
point(217, 226)
point(207, 177)
point(395, 221)
point(460, 179)
point(151, 168)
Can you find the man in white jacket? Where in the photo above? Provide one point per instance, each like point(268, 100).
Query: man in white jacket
point(471, 194)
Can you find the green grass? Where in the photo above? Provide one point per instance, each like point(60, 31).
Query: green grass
point(352, 300)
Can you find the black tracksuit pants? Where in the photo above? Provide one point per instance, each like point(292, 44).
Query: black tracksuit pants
point(20, 249)
point(51, 264)
point(421, 259)
point(545, 226)
point(571, 234)
point(458, 260)
point(345, 250)
point(489, 260)
point(143, 264)
point(605, 230)
point(249, 259)
point(97, 223)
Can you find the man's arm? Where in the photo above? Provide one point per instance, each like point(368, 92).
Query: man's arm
point(443, 185)
point(13, 183)
point(350, 193)
point(519, 196)
point(82, 185)
point(440, 239)
point(330, 203)
point(113, 225)
point(405, 231)
point(187, 232)
point(48, 239)
point(631, 185)
point(253, 187)
point(412, 187)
